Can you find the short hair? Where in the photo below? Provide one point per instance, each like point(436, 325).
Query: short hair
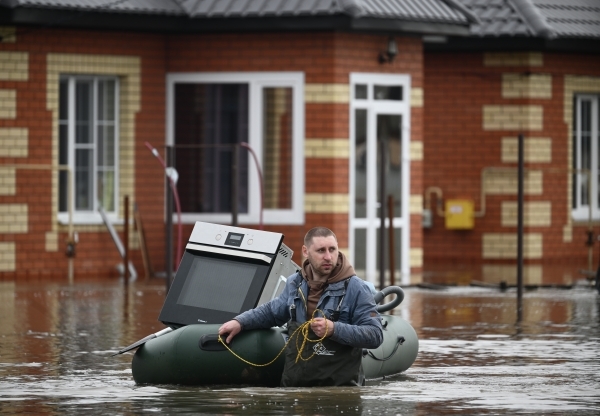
point(317, 232)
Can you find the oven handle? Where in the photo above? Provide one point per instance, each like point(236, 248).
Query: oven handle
point(228, 252)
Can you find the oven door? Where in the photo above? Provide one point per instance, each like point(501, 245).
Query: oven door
point(215, 284)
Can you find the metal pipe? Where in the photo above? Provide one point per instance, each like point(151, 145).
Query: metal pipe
point(520, 232)
point(126, 241)
point(382, 216)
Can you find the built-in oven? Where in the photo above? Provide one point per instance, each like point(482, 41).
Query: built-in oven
point(224, 271)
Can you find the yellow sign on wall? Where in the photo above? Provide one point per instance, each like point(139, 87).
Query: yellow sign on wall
point(459, 214)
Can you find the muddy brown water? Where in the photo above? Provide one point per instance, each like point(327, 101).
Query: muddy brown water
point(474, 357)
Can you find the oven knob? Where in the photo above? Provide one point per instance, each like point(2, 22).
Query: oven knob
point(250, 242)
point(218, 237)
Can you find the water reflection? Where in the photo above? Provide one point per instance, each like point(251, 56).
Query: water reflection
point(56, 341)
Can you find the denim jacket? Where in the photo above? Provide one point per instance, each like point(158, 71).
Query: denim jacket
point(359, 323)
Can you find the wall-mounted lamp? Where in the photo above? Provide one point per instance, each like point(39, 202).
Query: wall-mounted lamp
point(390, 53)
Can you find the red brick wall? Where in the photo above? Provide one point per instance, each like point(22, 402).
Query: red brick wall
point(324, 57)
point(456, 149)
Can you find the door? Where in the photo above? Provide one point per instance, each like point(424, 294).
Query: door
point(380, 178)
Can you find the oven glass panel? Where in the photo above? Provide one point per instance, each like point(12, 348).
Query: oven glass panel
point(210, 281)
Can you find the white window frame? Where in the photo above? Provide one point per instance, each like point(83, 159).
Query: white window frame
point(256, 81)
point(91, 217)
point(581, 211)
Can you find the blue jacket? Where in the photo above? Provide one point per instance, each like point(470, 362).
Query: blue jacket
point(359, 323)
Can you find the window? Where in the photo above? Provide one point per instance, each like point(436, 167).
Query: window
point(586, 157)
point(88, 143)
point(210, 115)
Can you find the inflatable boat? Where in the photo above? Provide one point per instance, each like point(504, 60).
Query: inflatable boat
point(225, 271)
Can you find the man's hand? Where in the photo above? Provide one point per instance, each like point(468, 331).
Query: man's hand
point(322, 327)
point(232, 328)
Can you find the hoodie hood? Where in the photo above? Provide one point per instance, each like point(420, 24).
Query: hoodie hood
point(342, 270)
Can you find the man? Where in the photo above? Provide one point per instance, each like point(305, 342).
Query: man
point(345, 321)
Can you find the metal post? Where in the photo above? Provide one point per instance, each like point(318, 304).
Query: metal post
point(234, 185)
point(520, 232)
point(391, 238)
point(382, 216)
point(126, 241)
point(169, 221)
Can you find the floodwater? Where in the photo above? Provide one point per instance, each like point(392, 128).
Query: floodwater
point(474, 358)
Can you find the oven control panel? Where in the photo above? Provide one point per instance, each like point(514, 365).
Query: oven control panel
point(235, 237)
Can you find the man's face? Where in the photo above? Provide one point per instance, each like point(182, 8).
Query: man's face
point(322, 254)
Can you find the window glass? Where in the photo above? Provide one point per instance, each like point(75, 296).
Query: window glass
point(277, 148)
point(387, 92)
point(88, 142)
point(255, 118)
point(211, 120)
point(360, 172)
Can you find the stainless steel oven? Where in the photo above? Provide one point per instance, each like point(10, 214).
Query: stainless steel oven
point(224, 271)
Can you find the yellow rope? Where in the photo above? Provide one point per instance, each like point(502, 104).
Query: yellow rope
point(304, 330)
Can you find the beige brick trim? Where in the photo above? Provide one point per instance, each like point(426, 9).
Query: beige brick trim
point(496, 273)
point(8, 257)
point(8, 34)
point(128, 69)
point(506, 182)
point(14, 66)
point(416, 257)
point(535, 149)
point(326, 203)
point(327, 93)
point(14, 142)
point(13, 218)
point(8, 104)
point(416, 151)
point(535, 214)
point(504, 246)
point(327, 148)
point(416, 204)
point(8, 180)
point(51, 242)
point(513, 59)
point(416, 97)
point(513, 117)
point(527, 86)
point(568, 233)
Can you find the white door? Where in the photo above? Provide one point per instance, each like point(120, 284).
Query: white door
point(380, 138)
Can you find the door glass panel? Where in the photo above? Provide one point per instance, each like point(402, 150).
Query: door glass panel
point(360, 91)
point(387, 92)
point(360, 252)
point(360, 166)
point(389, 151)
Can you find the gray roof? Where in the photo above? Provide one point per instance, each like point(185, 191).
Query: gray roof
point(536, 18)
point(438, 11)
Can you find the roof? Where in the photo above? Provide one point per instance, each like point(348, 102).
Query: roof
point(401, 15)
point(536, 18)
point(431, 10)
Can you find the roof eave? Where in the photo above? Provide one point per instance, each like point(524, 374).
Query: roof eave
point(515, 44)
point(49, 18)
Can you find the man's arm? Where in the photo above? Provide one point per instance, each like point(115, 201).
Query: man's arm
point(364, 330)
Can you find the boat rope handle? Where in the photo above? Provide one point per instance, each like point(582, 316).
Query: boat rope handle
point(304, 330)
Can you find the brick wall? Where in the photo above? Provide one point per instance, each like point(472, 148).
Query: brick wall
point(28, 134)
point(475, 107)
